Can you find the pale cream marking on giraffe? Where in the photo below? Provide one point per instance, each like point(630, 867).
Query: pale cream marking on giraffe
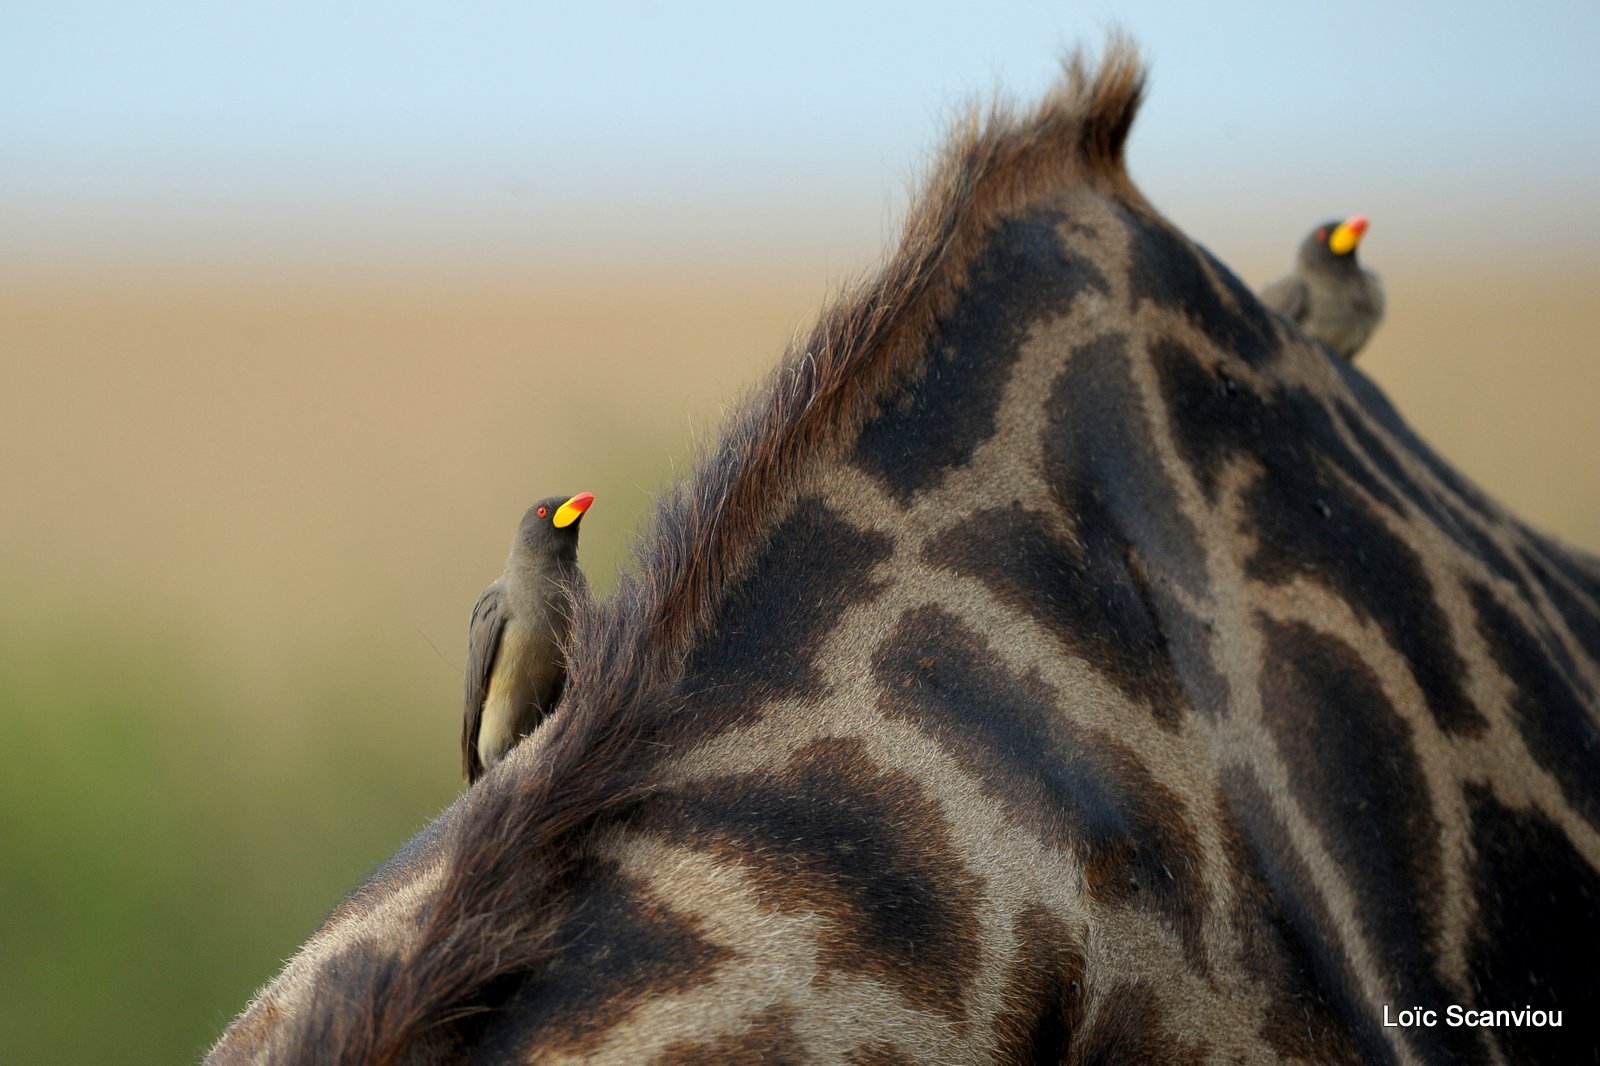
point(989, 471)
point(1123, 941)
point(1014, 433)
point(1418, 524)
point(1442, 556)
point(1436, 757)
point(1500, 760)
point(1222, 570)
point(1588, 666)
point(1175, 766)
point(986, 842)
point(1151, 323)
point(851, 711)
point(1193, 504)
point(1107, 247)
point(1320, 377)
point(1018, 438)
point(1242, 647)
point(717, 896)
point(1022, 642)
point(1445, 760)
point(726, 909)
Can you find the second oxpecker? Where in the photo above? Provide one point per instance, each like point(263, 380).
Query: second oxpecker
point(1328, 293)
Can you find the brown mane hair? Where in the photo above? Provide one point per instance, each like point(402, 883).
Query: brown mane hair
point(514, 835)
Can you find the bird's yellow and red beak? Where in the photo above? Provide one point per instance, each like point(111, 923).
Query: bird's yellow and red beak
point(1347, 234)
point(572, 510)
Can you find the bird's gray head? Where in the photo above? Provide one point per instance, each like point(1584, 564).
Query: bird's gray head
point(1332, 245)
point(551, 525)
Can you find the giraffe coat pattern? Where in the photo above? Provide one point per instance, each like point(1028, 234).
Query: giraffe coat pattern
point(1059, 660)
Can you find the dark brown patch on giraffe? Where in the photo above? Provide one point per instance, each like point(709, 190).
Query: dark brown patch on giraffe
point(1546, 626)
point(1099, 448)
point(1538, 923)
point(1336, 539)
point(1447, 513)
point(835, 834)
point(768, 631)
point(1306, 933)
point(1379, 454)
point(620, 948)
point(1352, 766)
point(1087, 592)
point(1560, 728)
point(1188, 638)
point(1077, 790)
point(1130, 1028)
point(1304, 1020)
point(1170, 271)
point(1024, 277)
point(1100, 435)
point(1310, 522)
point(1375, 405)
point(360, 968)
point(771, 1037)
point(1564, 582)
point(1041, 1009)
point(1209, 410)
point(1541, 580)
point(1216, 416)
point(1580, 568)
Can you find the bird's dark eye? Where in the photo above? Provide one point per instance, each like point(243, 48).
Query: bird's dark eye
point(1322, 234)
point(541, 512)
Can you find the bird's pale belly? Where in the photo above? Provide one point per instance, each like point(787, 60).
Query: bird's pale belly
point(522, 684)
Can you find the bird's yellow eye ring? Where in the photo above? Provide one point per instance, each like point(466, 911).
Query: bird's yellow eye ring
point(542, 512)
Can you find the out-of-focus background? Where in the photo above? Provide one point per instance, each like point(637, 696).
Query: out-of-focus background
point(301, 304)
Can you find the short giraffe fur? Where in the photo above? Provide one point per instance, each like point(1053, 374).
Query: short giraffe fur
point(1061, 659)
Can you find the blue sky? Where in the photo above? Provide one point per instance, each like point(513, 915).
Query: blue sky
point(209, 132)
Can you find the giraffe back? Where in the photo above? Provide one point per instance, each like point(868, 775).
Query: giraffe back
point(1060, 659)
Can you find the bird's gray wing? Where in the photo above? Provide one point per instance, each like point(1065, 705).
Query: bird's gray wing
point(1290, 296)
point(483, 644)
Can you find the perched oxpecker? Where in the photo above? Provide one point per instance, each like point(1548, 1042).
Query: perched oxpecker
point(1329, 294)
point(515, 670)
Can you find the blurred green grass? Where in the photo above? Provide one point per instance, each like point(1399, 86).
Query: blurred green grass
point(175, 819)
point(161, 858)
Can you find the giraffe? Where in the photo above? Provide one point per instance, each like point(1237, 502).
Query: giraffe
point(1060, 659)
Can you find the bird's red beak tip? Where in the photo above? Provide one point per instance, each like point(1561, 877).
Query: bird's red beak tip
point(572, 510)
point(1357, 224)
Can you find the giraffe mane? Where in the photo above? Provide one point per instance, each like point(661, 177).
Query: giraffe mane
point(513, 836)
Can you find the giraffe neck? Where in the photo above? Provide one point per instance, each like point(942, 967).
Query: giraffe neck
point(1063, 658)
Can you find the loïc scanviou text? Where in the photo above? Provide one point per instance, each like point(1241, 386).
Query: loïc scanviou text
point(1455, 1015)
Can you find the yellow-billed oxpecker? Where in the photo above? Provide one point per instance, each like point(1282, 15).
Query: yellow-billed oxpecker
point(515, 670)
point(1329, 294)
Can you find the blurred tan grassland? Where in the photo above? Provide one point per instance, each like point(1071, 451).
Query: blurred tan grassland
point(274, 464)
point(243, 521)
